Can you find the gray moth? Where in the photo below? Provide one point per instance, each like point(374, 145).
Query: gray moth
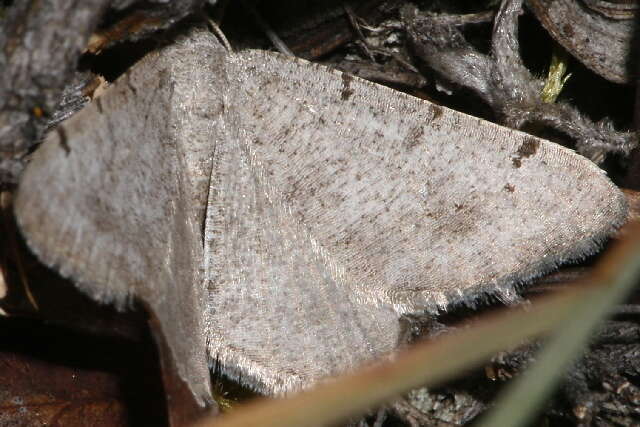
point(279, 217)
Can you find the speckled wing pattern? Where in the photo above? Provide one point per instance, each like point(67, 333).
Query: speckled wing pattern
point(393, 201)
point(115, 198)
point(281, 314)
point(420, 206)
point(333, 207)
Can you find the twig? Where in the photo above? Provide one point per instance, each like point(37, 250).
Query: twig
point(271, 35)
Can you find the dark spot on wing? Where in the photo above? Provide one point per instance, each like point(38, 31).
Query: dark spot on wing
point(133, 89)
point(463, 220)
point(414, 137)
point(568, 30)
point(528, 148)
point(510, 188)
point(437, 111)
point(63, 140)
point(346, 86)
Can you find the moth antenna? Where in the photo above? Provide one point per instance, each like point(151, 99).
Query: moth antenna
point(215, 29)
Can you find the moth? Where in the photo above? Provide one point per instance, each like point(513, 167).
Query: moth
point(279, 218)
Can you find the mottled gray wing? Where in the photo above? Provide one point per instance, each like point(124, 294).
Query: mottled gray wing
point(282, 313)
point(115, 197)
point(416, 205)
